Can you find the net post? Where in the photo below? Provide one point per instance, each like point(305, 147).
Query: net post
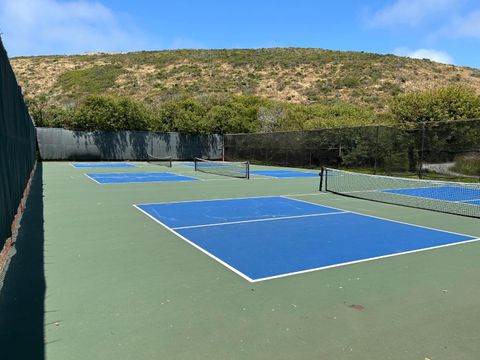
point(248, 170)
point(321, 179)
point(326, 179)
point(195, 163)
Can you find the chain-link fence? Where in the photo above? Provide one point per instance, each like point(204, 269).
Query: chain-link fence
point(450, 149)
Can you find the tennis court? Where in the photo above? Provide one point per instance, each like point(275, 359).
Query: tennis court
point(235, 268)
point(272, 237)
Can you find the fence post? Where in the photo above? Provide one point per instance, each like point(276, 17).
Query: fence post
point(422, 150)
point(376, 150)
point(223, 147)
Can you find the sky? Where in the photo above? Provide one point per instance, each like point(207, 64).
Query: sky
point(446, 31)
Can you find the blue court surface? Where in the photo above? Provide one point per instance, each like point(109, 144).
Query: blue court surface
point(442, 193)
point(137, 177)
point(283, 173)
point(269, 237)
point(103, 165)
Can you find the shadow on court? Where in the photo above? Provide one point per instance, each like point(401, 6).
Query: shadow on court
point(23, 294)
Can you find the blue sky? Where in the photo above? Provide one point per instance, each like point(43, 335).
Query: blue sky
point(442, 30)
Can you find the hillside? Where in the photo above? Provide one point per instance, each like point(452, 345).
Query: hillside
point(289, 75)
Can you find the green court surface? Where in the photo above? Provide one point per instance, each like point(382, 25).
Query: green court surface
point(120, 286)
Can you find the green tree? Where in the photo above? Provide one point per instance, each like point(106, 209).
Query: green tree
point(184, 115)
point(218, 119)
point(449, 103)
point(100, 112)
point(318, 116)
point(36, 107)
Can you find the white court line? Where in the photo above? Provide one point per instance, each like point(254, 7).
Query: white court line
point(146, 182)
point(381, 218)
point(412, 188)
point(271, 177)
point(259, 220)
point(388, 191)
point(225, 178)
point(467, 201)
point(260, 178)
point(264, 176)
point(93, 179)
point(142, 182)
point(197, 247)
point(307, 194)
point(232, 179)
point(363, 260)
point(253, 177)
point(106, 167)
point(391, 192)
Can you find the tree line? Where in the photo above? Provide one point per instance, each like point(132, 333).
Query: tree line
point(246, 114)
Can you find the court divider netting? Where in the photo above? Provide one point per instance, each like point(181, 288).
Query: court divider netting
point(164, 161)
point(225, 168)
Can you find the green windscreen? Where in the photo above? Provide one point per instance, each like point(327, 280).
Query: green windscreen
point(17, 146)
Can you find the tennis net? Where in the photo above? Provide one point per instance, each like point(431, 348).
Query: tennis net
point(442, 196)
point(166, 161)
point(225, 168)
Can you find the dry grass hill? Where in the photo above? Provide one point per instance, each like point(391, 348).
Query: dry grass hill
point(291, 75)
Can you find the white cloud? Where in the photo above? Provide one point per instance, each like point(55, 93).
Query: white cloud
point(466, 26)
point(434, 55)
point(411, 12)
point(33, 27)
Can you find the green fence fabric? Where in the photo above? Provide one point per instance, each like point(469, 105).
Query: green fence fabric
point(17, 146)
